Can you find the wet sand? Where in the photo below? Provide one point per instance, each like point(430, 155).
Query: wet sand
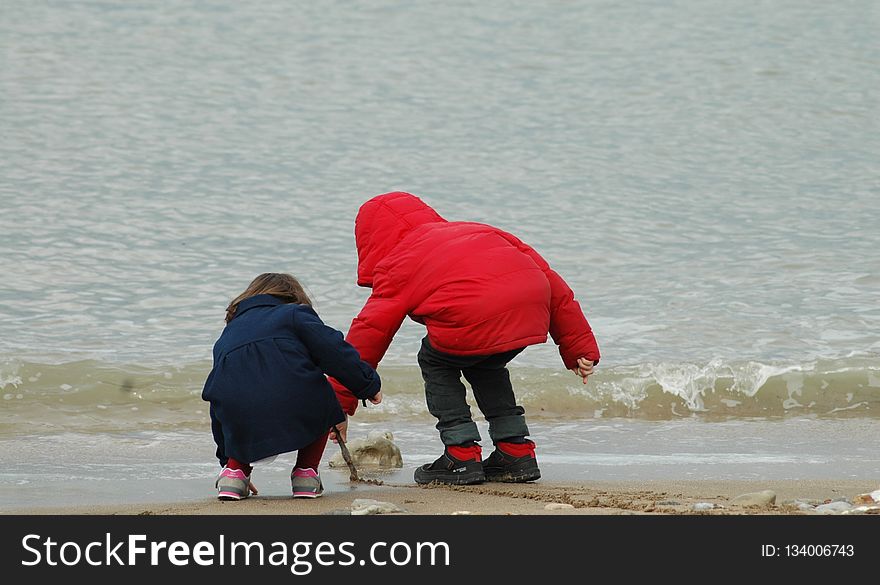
point(586, 498)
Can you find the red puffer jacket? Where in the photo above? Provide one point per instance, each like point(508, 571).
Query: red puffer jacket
point(478, 289)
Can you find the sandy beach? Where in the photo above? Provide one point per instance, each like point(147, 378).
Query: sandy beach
point(585, 498)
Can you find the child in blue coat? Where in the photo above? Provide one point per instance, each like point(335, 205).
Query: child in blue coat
point(268, 390)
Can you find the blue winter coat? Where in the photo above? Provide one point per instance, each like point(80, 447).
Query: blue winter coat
point(267, 390)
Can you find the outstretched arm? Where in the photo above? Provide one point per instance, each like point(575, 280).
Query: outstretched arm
point(335, 356)
point(568, 326)
point(371, 333)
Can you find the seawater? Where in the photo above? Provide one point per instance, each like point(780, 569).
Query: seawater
point(174, 466)
point(703, 174)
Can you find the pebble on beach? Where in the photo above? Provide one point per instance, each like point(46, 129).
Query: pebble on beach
point(364, 507)
point(377, 450)
point(558, 506)
point(801, 504)
point(833, 508)
point(872, 498)
point(760, 499)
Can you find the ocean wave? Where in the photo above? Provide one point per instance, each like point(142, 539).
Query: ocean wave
point(95, 396)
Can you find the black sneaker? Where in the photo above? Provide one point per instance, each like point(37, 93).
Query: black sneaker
point(500, 466)
point(449, 470)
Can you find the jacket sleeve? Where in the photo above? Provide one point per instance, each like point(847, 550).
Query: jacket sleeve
point(568, 325)
point(372, 331)
point(217, 431)
point(335, 356)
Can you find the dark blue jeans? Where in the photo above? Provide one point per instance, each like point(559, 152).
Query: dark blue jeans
point(490, 381)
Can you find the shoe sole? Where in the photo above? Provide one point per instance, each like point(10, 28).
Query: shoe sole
point(515, 477)
point(458, 479)
point(308, 495)
point(229, 496)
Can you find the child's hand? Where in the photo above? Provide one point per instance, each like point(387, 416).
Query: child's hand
point(343, 430)
point(253, 488)
point(584, 369)
point(375, 399)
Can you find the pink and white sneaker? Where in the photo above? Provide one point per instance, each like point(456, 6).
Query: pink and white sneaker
point(232, 485)
point(306, 483)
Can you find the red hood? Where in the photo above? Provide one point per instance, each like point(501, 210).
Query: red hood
point(381, 223)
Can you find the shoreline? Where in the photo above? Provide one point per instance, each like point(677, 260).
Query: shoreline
point(603, 467)
point(657, 497)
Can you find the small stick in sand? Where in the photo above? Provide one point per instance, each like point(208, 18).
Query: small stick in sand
point(353, 472)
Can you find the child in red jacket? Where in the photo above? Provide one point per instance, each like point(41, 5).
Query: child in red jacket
point(484, 296)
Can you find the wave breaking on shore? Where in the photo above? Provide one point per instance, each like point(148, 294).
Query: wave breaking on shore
point(95, 396)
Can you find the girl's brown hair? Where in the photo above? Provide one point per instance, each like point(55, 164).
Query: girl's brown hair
point(283, 286)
